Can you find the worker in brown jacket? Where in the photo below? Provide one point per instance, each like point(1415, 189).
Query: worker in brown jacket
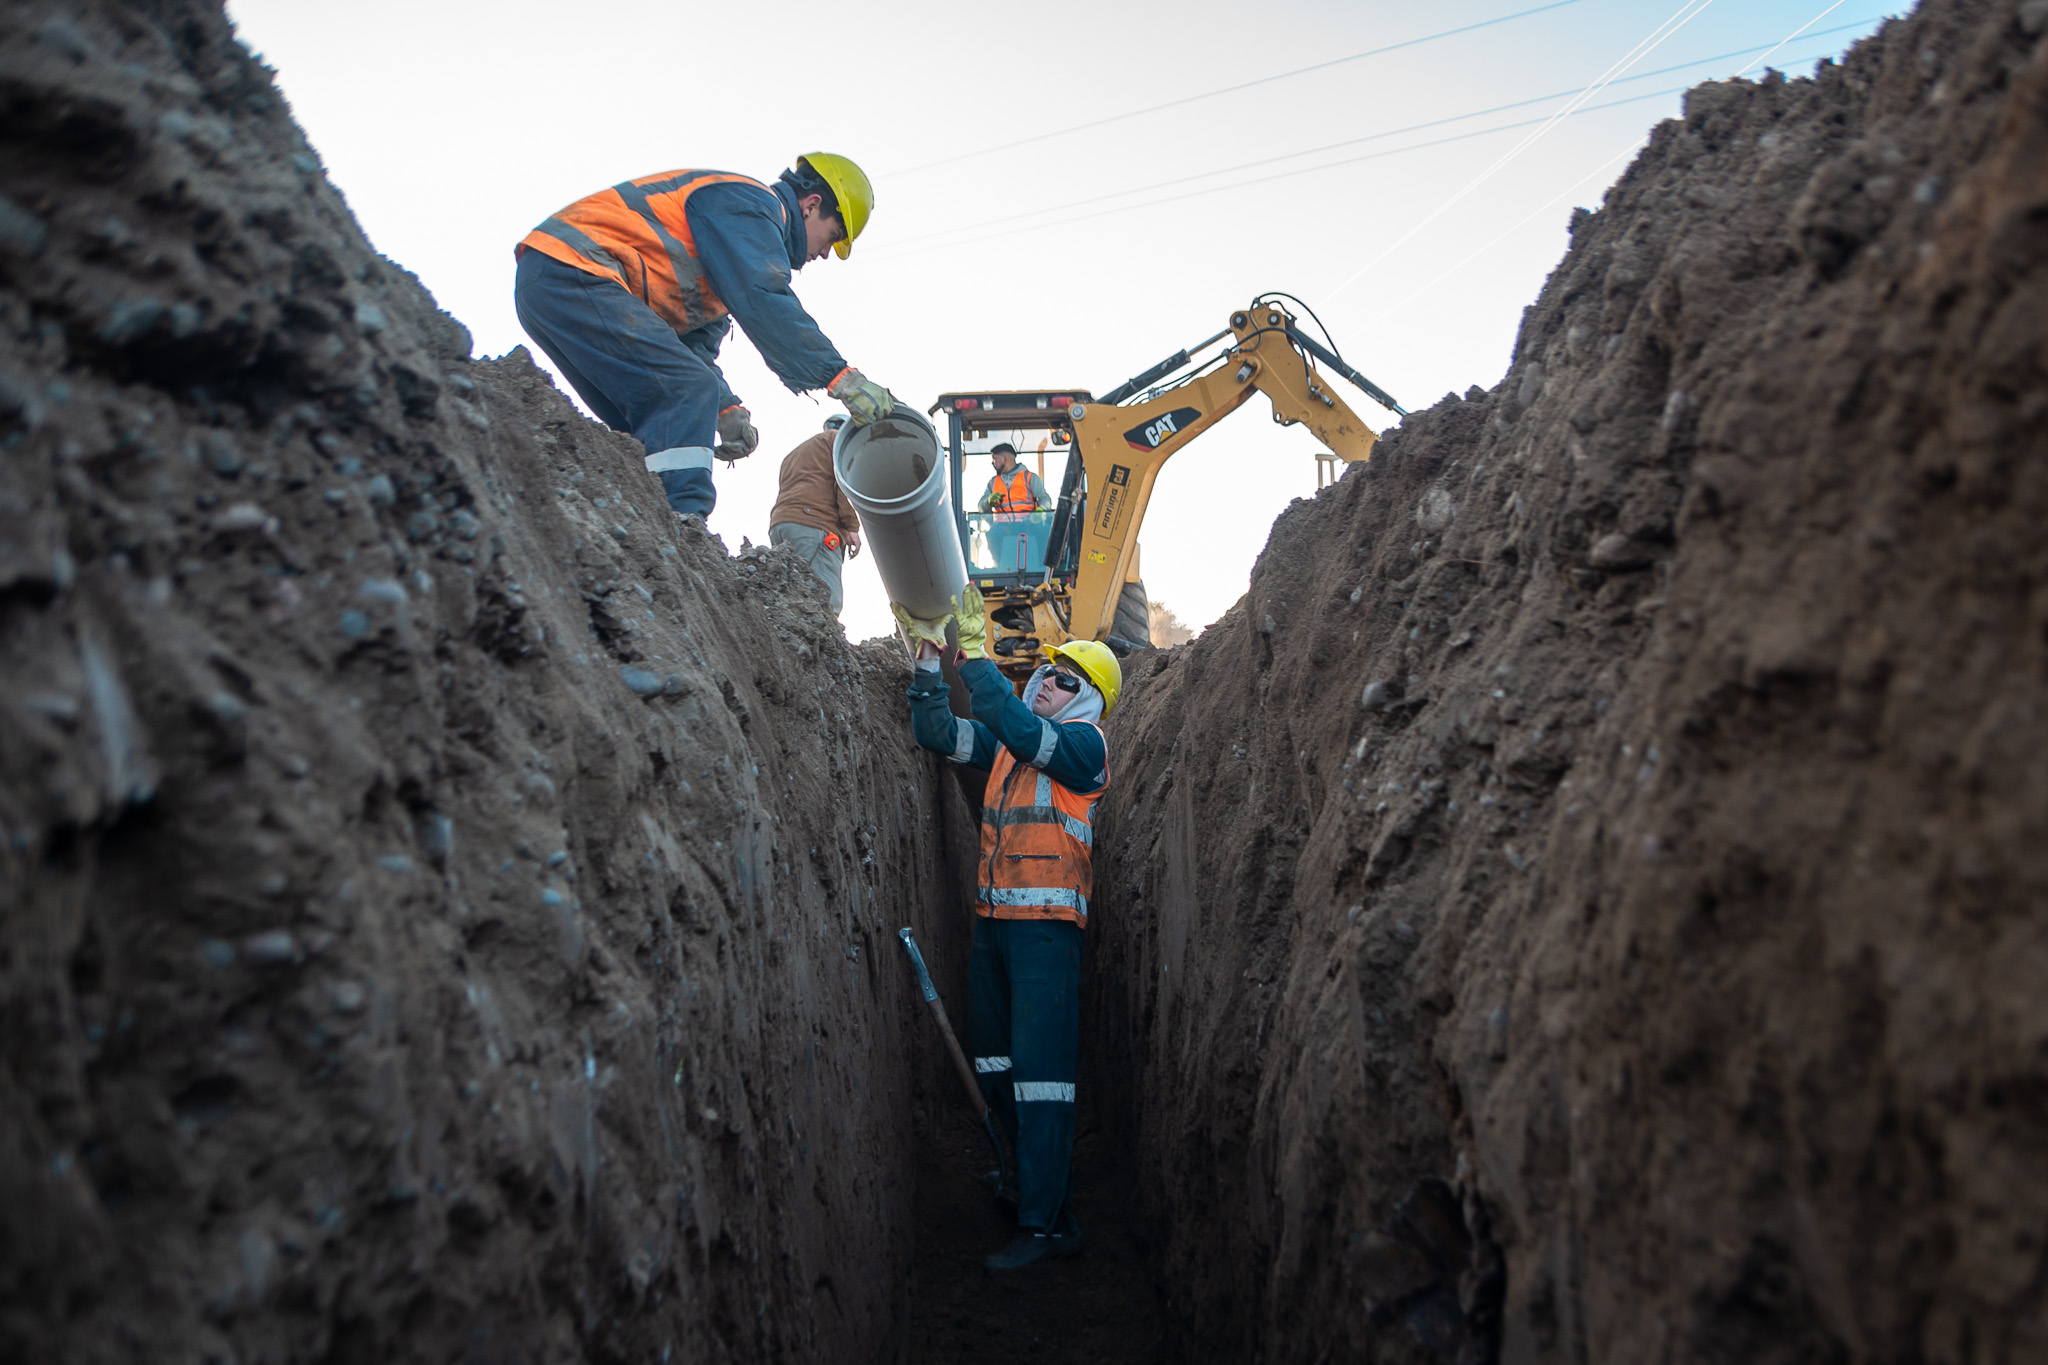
point(811, 511)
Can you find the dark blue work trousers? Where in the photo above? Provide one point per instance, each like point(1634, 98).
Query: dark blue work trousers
point(627, 364)
point(1024, 1026)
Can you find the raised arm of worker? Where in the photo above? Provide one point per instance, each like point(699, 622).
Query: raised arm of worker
point(1070, 753)
point(750, 238)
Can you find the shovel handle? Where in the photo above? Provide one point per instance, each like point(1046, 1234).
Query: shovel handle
point(931, 997)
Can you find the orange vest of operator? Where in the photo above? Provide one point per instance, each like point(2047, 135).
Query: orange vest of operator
point(1014, 493)
point(636, 235)
point(1037, 842)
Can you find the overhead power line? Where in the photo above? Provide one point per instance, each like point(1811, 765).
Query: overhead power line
point(1529, 218)
point(1679, 18)
point(883, 254)
point(883, 249)
point(1225, 90)
point(1790, 36)
point(889, 253)
point(1552, 202)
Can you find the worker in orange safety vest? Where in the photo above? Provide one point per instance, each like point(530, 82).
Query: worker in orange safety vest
point(632, 290)
point(1014, 492)
point(1046, 765)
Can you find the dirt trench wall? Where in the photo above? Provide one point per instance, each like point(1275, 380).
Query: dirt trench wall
point(1586, 901)
point(448, 905)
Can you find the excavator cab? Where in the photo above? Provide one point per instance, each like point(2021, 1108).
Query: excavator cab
point(1023, 562)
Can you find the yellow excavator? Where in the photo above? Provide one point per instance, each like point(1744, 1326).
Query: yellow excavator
point(1071, 571)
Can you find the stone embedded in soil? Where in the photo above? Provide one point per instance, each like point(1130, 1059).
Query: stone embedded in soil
point(273, 948)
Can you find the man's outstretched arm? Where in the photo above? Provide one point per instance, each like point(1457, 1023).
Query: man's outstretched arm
point(1072, 755)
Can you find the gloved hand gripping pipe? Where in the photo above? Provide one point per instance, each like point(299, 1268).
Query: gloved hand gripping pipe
point(974, 1095)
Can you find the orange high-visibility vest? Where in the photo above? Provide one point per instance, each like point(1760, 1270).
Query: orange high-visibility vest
point(1015, 497)
point(636, 235)
point(1037, 842)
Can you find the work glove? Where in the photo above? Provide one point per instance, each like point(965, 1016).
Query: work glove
point(917, 632)
point(736, 435)
point(972, 617)
point(866, 401)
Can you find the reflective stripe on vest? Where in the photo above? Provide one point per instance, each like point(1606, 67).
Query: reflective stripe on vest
point(637, 235)
point(1016, 497)
point(1037, 841)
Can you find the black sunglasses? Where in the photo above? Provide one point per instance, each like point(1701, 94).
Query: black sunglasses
point(1065, 682)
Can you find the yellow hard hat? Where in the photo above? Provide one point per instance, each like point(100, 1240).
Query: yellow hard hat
point(1094, 658)
point(850, 187)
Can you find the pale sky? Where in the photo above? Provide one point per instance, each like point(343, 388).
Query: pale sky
point(454, 126)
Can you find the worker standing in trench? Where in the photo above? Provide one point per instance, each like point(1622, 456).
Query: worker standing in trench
point(1045, 763)
point(631, 291)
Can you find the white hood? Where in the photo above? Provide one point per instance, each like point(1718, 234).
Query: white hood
point(1086, 705)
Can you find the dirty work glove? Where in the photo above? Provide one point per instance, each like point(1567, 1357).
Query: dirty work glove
point(916, 632)
point(866, 401)
point(736, 435)
point(973, 619)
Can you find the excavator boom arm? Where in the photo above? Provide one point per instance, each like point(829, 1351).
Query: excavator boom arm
point(1123, 445)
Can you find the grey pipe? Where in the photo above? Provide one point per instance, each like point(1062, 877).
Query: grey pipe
point(895, 477)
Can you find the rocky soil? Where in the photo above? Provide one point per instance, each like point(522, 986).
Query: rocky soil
point(1586, 903)
point(447, 906)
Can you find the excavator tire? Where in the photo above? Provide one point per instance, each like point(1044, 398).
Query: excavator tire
point(1133, 615)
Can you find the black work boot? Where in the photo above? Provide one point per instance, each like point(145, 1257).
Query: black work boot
point(1032, 1246)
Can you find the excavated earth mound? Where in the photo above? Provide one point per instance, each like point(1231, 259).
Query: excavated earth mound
point(448, 904)
point(1586, 903)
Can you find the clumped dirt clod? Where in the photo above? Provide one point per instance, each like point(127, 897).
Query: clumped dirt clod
point(449, 905)
point(1585, 902)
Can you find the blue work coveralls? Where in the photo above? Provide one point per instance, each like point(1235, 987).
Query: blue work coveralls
point(641, 376)
point(1024, 975)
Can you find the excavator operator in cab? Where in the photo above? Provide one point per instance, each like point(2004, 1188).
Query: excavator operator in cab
point(1045, 763)
point(1014, 491)
point(631, 291)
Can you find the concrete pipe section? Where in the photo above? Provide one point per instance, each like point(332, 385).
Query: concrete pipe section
point(895, 476)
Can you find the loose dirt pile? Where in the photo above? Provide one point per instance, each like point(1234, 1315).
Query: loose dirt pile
point(449, 906)
point(1586, 901)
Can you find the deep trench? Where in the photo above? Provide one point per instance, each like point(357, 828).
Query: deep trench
point(1581, 904)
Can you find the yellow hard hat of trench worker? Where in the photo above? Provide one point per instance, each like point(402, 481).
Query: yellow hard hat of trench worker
point(1095, 660)
point(851, 188)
